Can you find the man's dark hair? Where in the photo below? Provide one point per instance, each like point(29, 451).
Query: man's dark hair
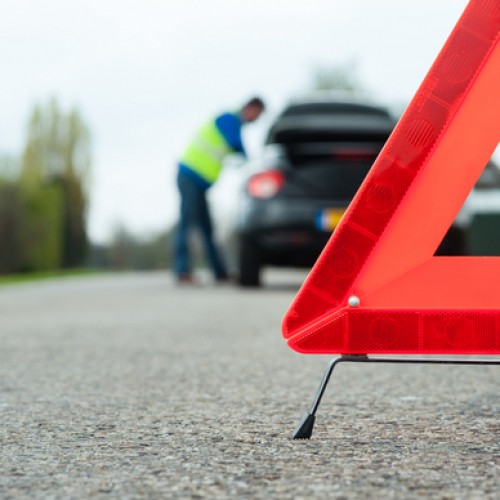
point(255, 101)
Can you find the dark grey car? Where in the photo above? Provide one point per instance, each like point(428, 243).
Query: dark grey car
point(316, 156)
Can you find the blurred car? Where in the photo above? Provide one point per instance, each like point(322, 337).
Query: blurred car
point(468, 235)
point(317, 153)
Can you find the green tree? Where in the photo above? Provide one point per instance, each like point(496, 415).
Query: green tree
point(337, 77)
point(128, 251)
point(11, 216)
point(41, 228)
point(54, 179)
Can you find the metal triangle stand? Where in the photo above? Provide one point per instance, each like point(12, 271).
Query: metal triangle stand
point(306, 425)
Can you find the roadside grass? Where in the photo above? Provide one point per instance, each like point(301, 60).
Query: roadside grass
point(11, 279)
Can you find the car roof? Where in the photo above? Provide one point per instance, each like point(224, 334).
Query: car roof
point(334, 115)
point(340, 104)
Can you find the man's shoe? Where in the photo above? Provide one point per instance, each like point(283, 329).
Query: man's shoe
point(185, 279)
point(225, 280)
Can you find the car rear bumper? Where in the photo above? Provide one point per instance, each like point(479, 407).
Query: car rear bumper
point(286, 232)
point(283, 215)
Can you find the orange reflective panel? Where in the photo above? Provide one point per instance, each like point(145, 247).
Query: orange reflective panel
point(377, 288)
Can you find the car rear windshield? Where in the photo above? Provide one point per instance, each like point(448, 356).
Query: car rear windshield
point(341, 123)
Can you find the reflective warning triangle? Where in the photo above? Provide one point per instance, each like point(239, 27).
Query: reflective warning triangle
point(377, 287)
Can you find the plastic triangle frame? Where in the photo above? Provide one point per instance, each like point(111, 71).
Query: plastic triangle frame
point(377, 287)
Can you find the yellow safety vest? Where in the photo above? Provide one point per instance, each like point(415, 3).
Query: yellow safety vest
point(205, 153)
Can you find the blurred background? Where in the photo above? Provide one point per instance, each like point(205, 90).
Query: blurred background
point(98, 99)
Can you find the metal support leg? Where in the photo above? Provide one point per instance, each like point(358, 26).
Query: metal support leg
point(306, 425)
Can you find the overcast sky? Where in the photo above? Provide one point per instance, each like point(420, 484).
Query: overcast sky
point(145, 73)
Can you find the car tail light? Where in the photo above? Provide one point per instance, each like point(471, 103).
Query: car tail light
point(265, 184)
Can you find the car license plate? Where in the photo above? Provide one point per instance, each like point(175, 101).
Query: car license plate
point(328, 219)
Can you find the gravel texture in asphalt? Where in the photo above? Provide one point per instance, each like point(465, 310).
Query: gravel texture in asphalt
point(129, 386)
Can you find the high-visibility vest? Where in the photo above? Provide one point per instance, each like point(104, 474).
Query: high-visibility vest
point(206, 152)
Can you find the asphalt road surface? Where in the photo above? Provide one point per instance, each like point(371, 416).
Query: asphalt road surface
point(129, 386)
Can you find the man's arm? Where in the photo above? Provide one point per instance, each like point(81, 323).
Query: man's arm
point(229, 126)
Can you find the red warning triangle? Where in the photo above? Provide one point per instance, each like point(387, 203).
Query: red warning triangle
point(377, 288)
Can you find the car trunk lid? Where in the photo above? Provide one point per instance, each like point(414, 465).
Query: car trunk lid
point(329, 156)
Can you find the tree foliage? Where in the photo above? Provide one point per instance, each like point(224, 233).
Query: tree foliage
point(43, 205)
point(11, 214)
point(341, 77)
point(56, 161)
point(57, 145)
point(127, 251)
point(41, 228)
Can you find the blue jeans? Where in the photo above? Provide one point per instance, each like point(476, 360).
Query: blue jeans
point(194, 213)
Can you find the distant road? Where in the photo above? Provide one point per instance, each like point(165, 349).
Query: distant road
point(129, 386)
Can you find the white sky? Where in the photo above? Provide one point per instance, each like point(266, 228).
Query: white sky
point(145, 73)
